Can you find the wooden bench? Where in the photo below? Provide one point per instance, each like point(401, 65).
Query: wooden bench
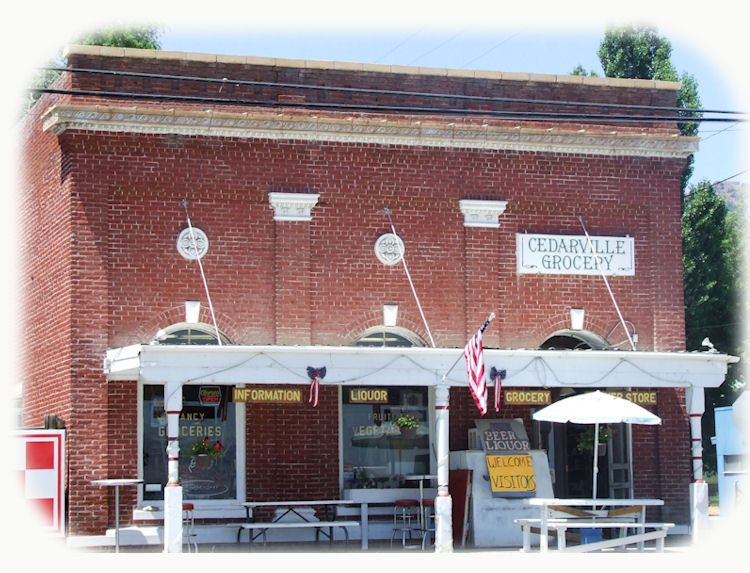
point(558, 527)
point(317, 525)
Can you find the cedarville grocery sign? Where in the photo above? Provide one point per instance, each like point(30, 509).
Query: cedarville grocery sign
point(574, 254)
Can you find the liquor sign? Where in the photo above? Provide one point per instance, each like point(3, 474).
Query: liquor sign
point(575, 255)
point(368, 396)
point(506, 447)
point(40, 463)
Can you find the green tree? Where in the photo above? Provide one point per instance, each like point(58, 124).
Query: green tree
point(641, 53)
point(145, 37)
point(712, 257)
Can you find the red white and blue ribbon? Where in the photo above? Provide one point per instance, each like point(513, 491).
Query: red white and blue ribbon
point(497, 378)
point(315, 374)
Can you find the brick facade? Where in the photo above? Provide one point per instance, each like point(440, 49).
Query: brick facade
point(102, 209)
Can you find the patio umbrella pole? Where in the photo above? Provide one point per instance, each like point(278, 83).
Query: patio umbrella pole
point(596, 457)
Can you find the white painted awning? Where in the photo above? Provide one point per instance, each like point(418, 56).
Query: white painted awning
point(414, 366)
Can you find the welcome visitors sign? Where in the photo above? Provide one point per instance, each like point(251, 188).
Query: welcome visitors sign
point(507, 452)
point(574, 255)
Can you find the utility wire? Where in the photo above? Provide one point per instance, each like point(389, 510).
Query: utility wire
point(329, 88)
point(507, 114)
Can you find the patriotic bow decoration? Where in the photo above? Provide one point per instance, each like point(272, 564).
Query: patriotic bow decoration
point(475, 367)
point(496, 376)
point(315, 374)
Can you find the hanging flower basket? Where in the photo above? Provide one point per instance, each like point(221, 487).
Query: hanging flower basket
point(586, 440)
point(407, 425)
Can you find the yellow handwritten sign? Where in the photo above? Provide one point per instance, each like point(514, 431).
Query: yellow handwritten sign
point(511, 475)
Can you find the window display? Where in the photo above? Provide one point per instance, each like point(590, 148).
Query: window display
point(386, 435)
point(208, 442)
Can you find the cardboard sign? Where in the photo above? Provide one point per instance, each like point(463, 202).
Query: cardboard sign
point(511, 475)
point(503, 436)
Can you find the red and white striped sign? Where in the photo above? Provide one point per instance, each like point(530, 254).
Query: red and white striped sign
point(39, 463)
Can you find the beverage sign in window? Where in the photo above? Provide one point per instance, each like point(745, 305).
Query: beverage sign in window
point(208, 443)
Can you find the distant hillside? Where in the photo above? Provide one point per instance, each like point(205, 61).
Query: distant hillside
point(732, 192)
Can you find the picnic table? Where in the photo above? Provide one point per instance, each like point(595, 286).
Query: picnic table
point(561, 514)
point(302, 520)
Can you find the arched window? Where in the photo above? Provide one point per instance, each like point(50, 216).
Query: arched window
point(184, 333)
point(389, 337)
point(568, 339)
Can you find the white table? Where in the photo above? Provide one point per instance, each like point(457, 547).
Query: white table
point(293, 506)
point(116, 483)
point(591, 510)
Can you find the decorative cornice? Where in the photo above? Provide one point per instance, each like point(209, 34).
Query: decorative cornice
point(307, 127)
point(292, 206)
point(482, 213)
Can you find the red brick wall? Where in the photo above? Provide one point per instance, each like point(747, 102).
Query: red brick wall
point(103, 211)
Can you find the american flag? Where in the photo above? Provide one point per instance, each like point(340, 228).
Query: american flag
point(475, 370)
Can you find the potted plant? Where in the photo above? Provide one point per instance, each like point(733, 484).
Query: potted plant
point(407, 425)
point(586, 440)
point(204, 452)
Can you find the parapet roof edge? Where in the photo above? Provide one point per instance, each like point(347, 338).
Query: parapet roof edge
point(364, 67)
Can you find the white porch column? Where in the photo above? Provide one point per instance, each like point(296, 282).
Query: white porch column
point(443, 502)
point(696, 406)
point(173, 490)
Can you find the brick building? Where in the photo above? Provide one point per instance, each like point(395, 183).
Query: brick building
point(286, 169)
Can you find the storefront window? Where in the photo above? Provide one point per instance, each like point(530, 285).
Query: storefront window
point(377, 453)
point(208, 443)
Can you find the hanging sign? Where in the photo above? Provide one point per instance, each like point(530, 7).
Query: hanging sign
point(527, 397)
point(574, 255)
point(267, 395)
point(368, 396)
point(640, 397)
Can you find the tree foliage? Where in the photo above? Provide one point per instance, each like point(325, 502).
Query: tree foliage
point(641, 53)
point(144, 37)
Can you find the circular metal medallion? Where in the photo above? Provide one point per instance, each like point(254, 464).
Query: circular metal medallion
point(185, 243)
point(389, 249)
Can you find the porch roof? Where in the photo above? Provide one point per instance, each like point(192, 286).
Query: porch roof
point(413, 366)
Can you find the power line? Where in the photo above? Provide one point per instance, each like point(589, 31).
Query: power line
point(397, 46)
point(492, 49)
point(507, 114)
point(435, 49)
point(459, 97)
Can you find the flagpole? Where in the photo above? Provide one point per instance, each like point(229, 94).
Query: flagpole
point(408, 276)
point(490, 318)
point(606, 282)
point(194, 245)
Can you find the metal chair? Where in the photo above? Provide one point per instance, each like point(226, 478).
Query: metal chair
point(405, 513)
point(188, 526)
point(428, 508)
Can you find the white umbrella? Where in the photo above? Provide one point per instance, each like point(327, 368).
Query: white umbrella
point(596, 408)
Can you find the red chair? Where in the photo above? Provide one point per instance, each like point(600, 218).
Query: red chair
point(405, 519)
